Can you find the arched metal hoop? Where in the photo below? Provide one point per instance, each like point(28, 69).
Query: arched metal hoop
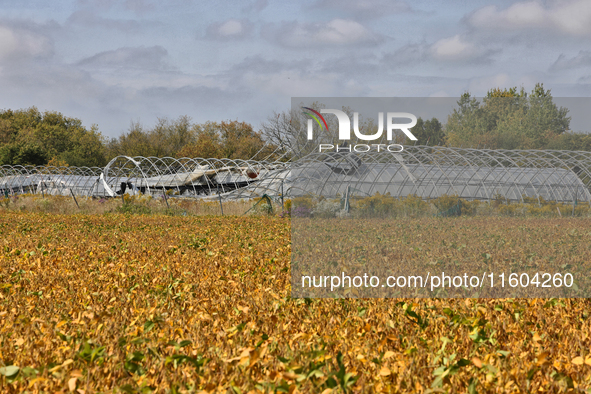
point(427, 172)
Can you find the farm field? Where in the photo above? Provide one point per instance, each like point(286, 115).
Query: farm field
point(502, 258)
point(131, 303)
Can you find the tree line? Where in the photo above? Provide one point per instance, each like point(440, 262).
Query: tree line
point(504, 119)
point(512, 119)
point(29, 137)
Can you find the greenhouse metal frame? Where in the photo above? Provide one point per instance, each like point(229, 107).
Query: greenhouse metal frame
point(428, 172)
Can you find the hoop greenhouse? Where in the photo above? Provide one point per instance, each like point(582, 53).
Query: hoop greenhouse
point(428, 172)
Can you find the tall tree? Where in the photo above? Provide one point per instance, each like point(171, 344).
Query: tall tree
point(135, 142)
point(289, 130)
point(507, 119)
point(29, 137)
point(428, 132)
point(168, 137)
point(207, 143)
point(227, 139)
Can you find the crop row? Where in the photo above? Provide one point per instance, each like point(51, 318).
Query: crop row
point(180, 304)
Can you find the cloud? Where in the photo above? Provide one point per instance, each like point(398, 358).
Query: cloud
point(148, 58)
point(111, 104)
point(408, 55)
point(288, 83)
point(457, 49)
point(230, 29)
point(191, 95)
point(452, 48)
point(340, 65)
point(139, 7)
point(357, 67)
point(337, 32)
point(63, 88)
point(86, 18)
point(583, 59)
point(256, 6)
point(365, 9)
point(258, 64)
point(21, 43)
point(108, 67)
point(301, 77)
point(480, 85)
point(439, 93)
point(572, 17)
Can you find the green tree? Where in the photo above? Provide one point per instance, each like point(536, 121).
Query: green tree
point(507, 119)
point(207, 143)
point(134, 142)
point(428, 132)
point(165, 139)
point(29, 137)
point(168, 137)
point(182, 138)
point(571, 141)
point(227, 139)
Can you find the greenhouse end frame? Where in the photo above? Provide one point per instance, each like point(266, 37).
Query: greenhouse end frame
point(428, 172)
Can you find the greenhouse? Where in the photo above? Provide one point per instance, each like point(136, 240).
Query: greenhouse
point(428, 172)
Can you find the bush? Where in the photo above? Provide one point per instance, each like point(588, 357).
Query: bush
point(384, 205)
point(327, 208)
point(445, 202)
point(134, 205)
point(414, 205)
point(376, 205)
point(301, 212)
point(471, 207)
point(133, 209)
point(307, 202)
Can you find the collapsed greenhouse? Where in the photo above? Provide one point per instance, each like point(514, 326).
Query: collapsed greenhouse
point(428, 172)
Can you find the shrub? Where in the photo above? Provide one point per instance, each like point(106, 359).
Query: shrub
point(301, 212)
point(307, 202)
point(376, 205)
point(133, 209)
point(384, 205)
point(445, 202)
point(414, 205)
point(327, 208)
point(471, 207)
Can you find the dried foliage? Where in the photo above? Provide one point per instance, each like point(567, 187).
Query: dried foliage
point(143, 205)
point(167, 304)
point(385, 205)
point(537, 253)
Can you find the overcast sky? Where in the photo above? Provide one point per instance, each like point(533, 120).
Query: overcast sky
point(110, 62)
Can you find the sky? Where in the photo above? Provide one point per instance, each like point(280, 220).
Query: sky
point(113, 62)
